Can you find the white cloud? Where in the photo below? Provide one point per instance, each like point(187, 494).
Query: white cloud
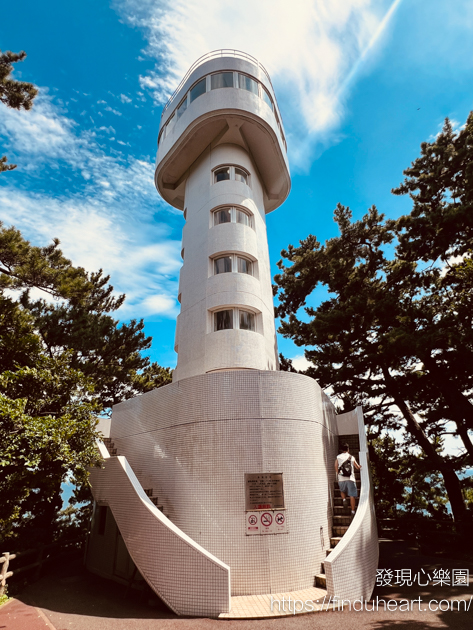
point(42, 131)
point(456, 128)
point(124, 98)
point(113, 111)
point(109, 129)
point(312, 49)
point(300, 362)
point(107, 218)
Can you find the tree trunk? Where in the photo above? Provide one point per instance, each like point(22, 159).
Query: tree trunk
point(452, 483)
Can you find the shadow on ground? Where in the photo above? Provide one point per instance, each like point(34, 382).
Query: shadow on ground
point(73, 590)
point(74, 599)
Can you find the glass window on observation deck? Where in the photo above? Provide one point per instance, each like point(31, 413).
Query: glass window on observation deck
point(197, 90)
point(223, 264)
point(221, 80)
point(266, 98)
point(246, 83)
point(182, 108)
point(222, 173)
point(247, 321)
point(223, 320)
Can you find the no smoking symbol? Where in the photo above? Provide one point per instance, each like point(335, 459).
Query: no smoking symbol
point(252, 520)
point(266, 519)
point(280, 519)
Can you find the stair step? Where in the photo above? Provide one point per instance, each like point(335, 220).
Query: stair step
point(338, 503)
point(328, 552)
point(339, 510)
point(335, 540)
point(342, 520)
point(321, 581)
point(339, 531)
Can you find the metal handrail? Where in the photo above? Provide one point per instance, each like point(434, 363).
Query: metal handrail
point(215, 54)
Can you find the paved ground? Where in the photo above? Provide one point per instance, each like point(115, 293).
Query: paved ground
point(71, 599)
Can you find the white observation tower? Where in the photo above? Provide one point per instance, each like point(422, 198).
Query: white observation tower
point(222, 160)
point(221, 483)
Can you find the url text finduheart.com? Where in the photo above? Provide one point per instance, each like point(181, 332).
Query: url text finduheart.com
point(295, 606)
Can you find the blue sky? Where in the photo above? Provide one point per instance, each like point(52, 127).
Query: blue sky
point(360, 84)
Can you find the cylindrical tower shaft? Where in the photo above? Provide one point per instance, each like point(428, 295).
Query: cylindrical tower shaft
point(222, 160)
point(227, 316)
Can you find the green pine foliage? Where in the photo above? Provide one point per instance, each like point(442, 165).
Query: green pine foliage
point(14, 94)
point(64, 361)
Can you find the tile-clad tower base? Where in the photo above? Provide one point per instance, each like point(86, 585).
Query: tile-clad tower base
point(196, 438)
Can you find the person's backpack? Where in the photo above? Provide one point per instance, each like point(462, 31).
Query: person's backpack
point(345, 469)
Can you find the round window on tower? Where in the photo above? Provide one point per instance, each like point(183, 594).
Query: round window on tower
point(241, 175)
point(221, 174)
point(222, 215)
point(222, 265)
point(223, 320)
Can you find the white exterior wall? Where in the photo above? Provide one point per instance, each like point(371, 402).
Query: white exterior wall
point(235, 107)
point(200, 348)
point(195, 440)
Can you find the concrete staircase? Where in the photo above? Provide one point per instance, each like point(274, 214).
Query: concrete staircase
point(342, 517)
point(164, 555)
point(143, 479)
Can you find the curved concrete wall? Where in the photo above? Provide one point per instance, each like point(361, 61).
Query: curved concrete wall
point(197, 438)
point(233, 100)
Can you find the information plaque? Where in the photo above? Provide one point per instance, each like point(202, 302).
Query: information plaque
point(264, 491)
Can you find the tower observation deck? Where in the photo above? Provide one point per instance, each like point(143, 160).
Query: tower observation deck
point(222, 160)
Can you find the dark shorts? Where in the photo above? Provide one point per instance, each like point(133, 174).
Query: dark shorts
point(348, 487)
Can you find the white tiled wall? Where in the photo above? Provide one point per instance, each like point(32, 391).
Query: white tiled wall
point(196, 438)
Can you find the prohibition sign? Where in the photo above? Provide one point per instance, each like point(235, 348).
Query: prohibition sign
point(280, 518)
point(252, 520)
point(266, 519)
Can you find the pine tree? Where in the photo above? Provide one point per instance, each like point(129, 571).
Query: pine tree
point(398, 329)
point(14, 94)
point(62, 363)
